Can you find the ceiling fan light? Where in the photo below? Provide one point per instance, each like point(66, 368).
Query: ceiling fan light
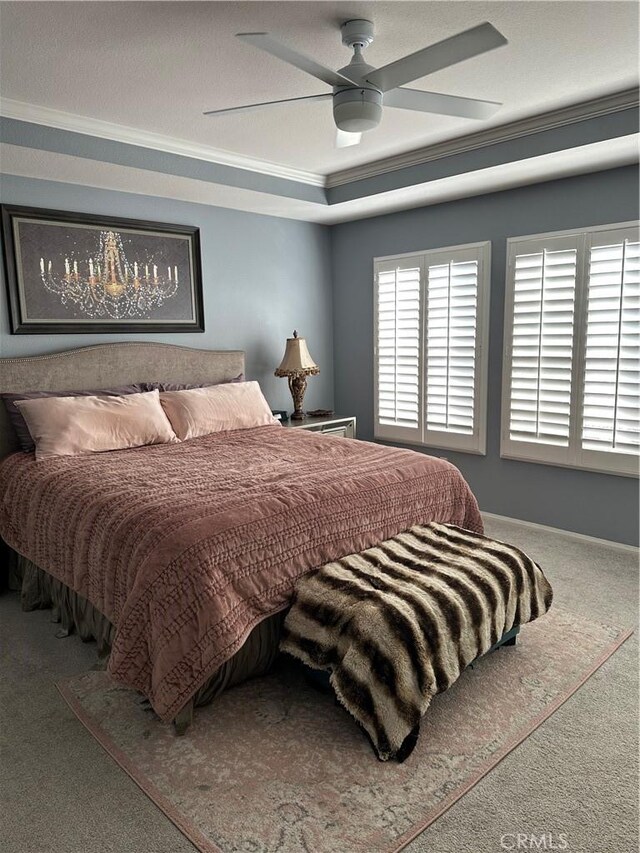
point(357, 110)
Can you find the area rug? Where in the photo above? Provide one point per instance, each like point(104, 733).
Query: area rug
point(275, 765)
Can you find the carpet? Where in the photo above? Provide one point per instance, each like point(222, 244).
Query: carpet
point(273, 765)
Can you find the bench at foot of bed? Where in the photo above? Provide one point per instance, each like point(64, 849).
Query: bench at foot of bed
point(398, 623)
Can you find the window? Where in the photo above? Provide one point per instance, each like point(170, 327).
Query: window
point(431, 328)
point(571, 373)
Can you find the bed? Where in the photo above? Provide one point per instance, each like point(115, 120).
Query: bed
point(181, 558)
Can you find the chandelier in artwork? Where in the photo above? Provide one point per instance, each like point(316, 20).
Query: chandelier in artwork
point(108, 285)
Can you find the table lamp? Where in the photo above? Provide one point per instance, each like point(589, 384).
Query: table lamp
point(296, 365)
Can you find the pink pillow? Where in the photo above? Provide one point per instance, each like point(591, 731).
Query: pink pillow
point(17, 421)
point(216, 409)
point(72, 426)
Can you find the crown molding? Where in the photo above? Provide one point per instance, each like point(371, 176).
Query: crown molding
point(561, 117)
point(34, 114)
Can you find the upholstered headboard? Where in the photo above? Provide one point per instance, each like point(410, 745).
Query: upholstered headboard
point(105, 365)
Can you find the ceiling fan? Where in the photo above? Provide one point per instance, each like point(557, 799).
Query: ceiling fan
point(359, 89)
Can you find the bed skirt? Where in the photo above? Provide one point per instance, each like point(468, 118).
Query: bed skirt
point(39, 590)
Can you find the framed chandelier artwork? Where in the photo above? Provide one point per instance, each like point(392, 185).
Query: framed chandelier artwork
point(74, 272)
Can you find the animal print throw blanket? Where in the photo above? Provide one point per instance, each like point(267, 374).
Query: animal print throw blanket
point(396, 624)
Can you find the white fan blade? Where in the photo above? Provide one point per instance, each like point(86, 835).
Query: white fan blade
point(344, 139)
point(247, 107)
point(434, 102)
point(299, 60)
point(444, 53)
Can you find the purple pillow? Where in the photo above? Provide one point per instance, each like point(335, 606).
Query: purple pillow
point(177, 386)
point(19, 424)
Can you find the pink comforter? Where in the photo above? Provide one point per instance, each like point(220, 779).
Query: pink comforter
point(186, 547)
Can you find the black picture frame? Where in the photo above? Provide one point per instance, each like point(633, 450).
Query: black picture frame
point(45, 271)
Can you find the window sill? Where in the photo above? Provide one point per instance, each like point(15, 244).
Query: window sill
point(407, 442)
point(593, 469)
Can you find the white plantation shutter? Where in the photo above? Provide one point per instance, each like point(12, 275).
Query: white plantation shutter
point(431, 329)
point(611, 395)
point(455, 347)
point(542, 345)
point(398, 348)
point(571, 375)
point(452, 298)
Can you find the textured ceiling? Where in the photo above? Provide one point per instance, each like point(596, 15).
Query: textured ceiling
point(157, 66)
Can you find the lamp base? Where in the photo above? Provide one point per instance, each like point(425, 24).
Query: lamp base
point(297, 386)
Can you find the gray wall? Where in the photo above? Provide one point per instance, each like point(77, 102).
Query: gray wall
point(596, 504)
point(263, 277)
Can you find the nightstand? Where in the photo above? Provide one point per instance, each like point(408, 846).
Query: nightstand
point(329, 425)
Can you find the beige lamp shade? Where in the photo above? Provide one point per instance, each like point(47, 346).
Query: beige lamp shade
point(297, 360)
